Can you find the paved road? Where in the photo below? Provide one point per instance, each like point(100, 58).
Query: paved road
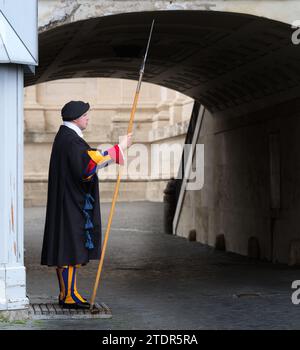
point(155, 281)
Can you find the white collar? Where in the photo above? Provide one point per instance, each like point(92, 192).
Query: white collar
point(74, 127)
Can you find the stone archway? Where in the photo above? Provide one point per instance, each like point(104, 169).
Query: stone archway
point(232, 63)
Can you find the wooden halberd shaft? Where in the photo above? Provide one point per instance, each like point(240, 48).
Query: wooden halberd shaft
point(116, 191)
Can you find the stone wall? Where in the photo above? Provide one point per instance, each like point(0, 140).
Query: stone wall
point(53, 13)
point(250, 195)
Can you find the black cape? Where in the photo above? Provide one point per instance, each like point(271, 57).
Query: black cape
point(65, 234)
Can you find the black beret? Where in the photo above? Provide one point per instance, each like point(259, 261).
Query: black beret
point(74, 109)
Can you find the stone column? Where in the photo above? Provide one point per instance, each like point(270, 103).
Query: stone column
point(33, 111)
point(162, 118)
point(12, 270)
point(181, 108)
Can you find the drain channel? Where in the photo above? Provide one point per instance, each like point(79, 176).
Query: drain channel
point(47, 311)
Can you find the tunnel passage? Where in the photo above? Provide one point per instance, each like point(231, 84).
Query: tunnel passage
point(235, 65)
point(232, 63)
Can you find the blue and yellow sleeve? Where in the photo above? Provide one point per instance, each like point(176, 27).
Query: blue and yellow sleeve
point(98, 160)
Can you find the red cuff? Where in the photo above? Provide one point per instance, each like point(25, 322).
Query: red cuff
point(116, 154)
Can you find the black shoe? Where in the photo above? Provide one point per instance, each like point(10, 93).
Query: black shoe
point(75, 305)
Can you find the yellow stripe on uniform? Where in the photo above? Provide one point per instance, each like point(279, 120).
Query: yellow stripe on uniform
point(69, 299)
point(76, 292)
point(97, 157)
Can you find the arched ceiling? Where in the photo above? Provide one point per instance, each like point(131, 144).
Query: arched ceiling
point(232, 63)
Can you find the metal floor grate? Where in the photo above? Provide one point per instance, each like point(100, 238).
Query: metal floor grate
point(47, 311)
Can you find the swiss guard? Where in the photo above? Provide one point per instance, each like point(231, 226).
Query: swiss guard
point(72, 234)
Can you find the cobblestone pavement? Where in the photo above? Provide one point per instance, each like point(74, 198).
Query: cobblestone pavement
point(156, 281)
